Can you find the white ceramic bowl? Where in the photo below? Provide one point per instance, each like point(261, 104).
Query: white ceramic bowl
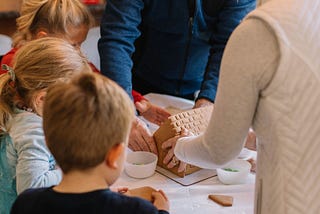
point(245, 154)
point(140, 164)
point(235, 172)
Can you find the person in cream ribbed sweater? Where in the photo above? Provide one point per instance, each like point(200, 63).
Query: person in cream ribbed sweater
point(272, 63)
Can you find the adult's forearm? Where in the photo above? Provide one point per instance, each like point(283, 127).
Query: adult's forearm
point(192, 150)
point(230, 16)
point(250, 60)
point(211, 78)
point(119, 30)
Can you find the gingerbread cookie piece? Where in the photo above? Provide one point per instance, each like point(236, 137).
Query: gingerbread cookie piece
point(223, 200)
point(194, 120)
point(141, 192)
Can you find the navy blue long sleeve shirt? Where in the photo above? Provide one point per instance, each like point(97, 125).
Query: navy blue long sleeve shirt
point(46, 200)
point(180, 50)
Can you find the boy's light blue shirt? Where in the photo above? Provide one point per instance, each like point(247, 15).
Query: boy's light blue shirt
point(28, 162)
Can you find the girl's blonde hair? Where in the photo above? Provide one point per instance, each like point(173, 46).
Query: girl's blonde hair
point(37, 65)
point(55, 16)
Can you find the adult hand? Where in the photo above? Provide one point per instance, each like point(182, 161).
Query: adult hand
point(161, 201)
point(202, 102)
point(251, 140)
point(140, 138)
point(253, 163)
point(251, 143)
point(151, 112)
point(170, 159)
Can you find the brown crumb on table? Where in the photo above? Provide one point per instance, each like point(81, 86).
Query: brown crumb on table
point(223, 200)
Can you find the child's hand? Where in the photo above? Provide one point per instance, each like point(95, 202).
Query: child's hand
point(160, 201)
point(151, 112)
point(121, 190)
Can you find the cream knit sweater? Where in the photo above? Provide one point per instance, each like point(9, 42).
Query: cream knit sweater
point(270, 79)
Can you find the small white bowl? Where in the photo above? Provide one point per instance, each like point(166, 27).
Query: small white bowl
point(235, 172)
point(140, 164)
point(245, 154)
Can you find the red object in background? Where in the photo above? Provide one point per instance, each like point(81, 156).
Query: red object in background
point(91, 1)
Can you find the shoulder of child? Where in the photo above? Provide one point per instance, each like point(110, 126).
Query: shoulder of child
point(23, 121)
point(33, 192)
point(26, 124)
point(26, 200)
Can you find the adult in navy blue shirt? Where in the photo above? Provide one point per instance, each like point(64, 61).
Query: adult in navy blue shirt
point(170, 46)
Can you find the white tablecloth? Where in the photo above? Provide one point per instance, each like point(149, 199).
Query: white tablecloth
point(194, 199)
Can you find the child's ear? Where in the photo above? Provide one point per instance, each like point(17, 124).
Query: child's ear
point(41, 34)
point(39, 98)
point(38, 101)
point(113, 155)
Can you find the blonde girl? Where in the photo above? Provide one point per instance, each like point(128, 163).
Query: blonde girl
point(25, 160)
point(71, 20)
point(66, 19)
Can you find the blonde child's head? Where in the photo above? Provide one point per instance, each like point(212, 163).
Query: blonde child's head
point(67, 19)
point(37, 65)
point(94, 117)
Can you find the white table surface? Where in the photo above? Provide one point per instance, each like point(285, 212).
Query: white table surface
point(193, 199)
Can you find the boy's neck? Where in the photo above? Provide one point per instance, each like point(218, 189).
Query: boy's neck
point(81, 182)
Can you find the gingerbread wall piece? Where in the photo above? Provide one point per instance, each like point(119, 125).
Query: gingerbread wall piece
point(194, 120)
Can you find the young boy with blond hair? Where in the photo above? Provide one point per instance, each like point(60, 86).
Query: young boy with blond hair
point(86, 124)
